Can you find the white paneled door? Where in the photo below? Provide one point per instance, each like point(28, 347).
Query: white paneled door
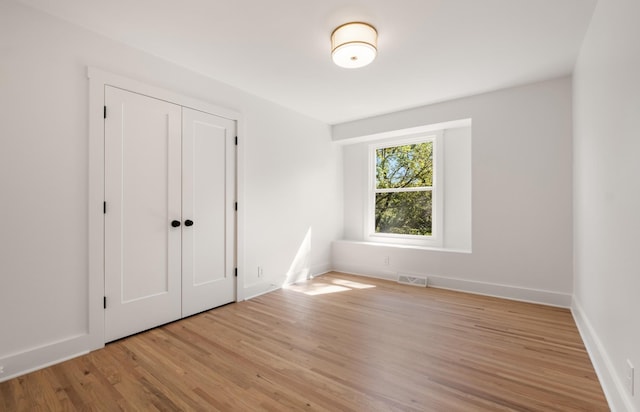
point(208, 207)
point(169, 219)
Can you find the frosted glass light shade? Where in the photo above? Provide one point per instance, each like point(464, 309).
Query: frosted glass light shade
point(354, 45)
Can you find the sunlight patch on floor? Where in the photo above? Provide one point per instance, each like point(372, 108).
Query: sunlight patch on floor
point(351, 284)
point(323, 288)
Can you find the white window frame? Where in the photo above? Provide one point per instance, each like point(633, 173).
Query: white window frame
point(437, 197)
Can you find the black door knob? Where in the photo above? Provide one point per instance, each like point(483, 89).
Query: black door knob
point(188, 222)
point(175, 223)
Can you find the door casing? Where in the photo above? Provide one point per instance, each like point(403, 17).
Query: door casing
point(98, 79)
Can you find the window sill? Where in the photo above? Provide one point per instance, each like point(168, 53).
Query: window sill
point(401, 246)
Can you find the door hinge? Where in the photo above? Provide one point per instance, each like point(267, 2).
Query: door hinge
point(236, 272)
point(236, 206)
point(104, 207)
point(104, 302)
point(236, 140)
point(105, 112)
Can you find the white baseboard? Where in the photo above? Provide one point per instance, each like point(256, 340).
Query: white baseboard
point(321, 270)
point(613, 387)
point(257, 289)
point(46, 355)
point(544, 297)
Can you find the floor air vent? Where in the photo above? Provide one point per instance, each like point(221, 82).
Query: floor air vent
point(412, 280)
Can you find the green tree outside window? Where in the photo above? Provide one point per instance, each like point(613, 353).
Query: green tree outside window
point(403, 192)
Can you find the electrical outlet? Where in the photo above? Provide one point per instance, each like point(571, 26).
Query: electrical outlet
point(386, 260)
point(259, 271)
point(630, 377)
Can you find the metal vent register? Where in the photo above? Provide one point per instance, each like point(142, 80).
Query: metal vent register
point(412, 280)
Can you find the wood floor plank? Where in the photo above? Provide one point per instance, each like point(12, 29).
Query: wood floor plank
point(338, 342)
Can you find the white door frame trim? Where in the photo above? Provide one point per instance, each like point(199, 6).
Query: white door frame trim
point(98, 79)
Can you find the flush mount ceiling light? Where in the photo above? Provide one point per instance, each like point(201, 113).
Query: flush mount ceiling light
point(354, 45)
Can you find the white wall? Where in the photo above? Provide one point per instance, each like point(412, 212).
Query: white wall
point(457, 188)
point(456, 146)
point(521, 196)
point(607, 196)
point(291, 181)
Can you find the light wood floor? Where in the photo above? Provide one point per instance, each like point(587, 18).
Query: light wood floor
point(338, 343)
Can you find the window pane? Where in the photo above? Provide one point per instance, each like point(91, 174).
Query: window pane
point(410, 165)
point(406, 213)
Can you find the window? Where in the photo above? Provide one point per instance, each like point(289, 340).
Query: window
point(405, 195)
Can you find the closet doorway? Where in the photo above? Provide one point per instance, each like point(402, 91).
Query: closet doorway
point(169, 213)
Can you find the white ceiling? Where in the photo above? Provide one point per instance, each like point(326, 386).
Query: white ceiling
point(429, 50)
